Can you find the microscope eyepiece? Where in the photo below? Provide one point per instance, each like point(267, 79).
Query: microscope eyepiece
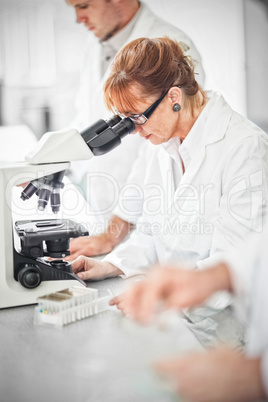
point(124, 127)
point(104, 136)
point(101, 137)
point(98, 128)
point(115, 119)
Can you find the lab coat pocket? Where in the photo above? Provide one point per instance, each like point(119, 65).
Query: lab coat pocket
point(203, 224)
point(196, 225)
point(189, 234)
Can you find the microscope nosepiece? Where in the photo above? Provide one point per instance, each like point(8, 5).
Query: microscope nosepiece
point(28, 191)
point(44, 197)
point(47, 187)
point(55, 200)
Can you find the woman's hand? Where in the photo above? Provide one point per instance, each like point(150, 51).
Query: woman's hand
point(171, 287)
point(104, 243)
point(218, 375)
point(90, 269)
point(89, 246)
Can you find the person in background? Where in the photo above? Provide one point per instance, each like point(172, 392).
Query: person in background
point(221, 374)
point(206, 176)
point(112, 24)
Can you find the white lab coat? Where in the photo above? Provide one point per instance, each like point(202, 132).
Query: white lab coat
point(219, 199)
point(108, 173)
point(249, 270)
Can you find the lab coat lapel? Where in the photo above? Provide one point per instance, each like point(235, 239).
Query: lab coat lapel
point(184, 207)
point(219, 115)
point(193, 168)
point(165, 163)
point(183, 193)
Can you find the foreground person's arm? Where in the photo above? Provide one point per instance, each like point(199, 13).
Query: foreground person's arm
point(173, 288)
point(218, 375)
point(104, 243)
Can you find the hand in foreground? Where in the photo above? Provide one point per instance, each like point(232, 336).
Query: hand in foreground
point(171, 287)
point(89, 246)
point(219, 375)
point(90, 269)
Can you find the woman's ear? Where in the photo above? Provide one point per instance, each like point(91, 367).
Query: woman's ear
point(174, 95)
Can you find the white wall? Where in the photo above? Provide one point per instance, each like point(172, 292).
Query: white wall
point(41, 49)
point(56, 44)
point(217, 29)
point(256, 20)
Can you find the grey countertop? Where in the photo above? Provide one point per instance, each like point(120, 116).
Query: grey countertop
point(106, 357)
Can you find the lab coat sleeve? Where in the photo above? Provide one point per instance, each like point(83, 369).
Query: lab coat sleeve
point(135, 255)
point(244, 197)
point(257, 345)
point(249, 273)
point(248, 268)
point(242, 263)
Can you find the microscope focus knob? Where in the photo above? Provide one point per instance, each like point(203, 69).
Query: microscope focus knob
point(30, 276)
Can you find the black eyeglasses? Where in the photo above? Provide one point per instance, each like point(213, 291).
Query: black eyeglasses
point(140, 119)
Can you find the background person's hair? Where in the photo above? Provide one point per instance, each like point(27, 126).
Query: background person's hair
point(153, 66)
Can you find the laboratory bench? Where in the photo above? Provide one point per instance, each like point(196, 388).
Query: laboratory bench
point(105, 357)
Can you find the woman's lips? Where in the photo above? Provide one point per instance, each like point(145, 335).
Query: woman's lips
point(90, 28)
point(146, 137)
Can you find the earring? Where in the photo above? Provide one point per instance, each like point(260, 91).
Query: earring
point(176, 107)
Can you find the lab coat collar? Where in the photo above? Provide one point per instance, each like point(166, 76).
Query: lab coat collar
point(210, 126)
point(218, 117)
point(194, 138)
